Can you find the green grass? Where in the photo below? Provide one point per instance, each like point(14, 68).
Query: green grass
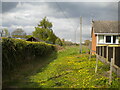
point(69, 70)
point(19, 77)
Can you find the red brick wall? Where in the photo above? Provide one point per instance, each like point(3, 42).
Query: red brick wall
point(93, 42)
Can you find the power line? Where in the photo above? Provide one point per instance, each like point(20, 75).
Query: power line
point(68, 19)
point(64, 13)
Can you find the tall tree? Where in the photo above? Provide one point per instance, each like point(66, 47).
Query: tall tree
point(40, 33)
point(45, 24)
point(59, 42)
point(44, 31)
point(87, 42)
point(19, 33)
point(4, 32)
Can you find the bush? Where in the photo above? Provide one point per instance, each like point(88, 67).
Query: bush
point(16, 52)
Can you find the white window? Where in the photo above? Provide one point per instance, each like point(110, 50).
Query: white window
point(108, 39)
point(101, 39)
point(117, 39)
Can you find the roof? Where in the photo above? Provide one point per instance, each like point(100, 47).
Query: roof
point(32, 39)
point(106, 26)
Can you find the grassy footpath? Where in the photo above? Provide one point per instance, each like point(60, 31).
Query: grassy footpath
point(69, 70)
point(20, 76)
point(72, 70)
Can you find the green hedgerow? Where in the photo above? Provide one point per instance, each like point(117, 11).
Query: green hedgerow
point(17, 51)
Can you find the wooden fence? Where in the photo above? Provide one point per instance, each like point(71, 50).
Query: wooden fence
point(106, 52)
point(109, 52)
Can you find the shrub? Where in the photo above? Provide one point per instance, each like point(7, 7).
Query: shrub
point(16, 51)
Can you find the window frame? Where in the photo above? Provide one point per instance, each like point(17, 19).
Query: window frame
point(101, 38)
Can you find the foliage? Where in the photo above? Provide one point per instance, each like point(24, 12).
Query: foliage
point(44, 31)
point(28, 36)
point(45, 24)
point(51, 37)
point(63, 41)
point(87, 42)
point(4, 32)
point(59, 42)
point(45, 35)
point(19, 33)
point(68, 43)
point(17, 51)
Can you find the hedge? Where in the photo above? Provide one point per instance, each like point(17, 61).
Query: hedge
point(17, 51)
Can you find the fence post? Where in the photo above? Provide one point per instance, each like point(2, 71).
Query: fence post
point(90, 50)
point(113, 55)
point(90, 55)
point(102, 51)
point(107, 53)
point(96, 63)
point(110, 77)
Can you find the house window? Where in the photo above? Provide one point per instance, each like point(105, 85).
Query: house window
point(114, 39)
point(108, 39)
point(101, 39)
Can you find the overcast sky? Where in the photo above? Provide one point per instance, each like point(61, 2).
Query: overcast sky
point(65, 16)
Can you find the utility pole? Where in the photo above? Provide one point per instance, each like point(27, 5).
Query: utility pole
point(75, 36)
point(80, 34)
point(1, 33)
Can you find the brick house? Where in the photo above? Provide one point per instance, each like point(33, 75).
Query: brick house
point(104, 33)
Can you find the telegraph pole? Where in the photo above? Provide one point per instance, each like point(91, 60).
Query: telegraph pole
point(75, 36)
point(80, 34)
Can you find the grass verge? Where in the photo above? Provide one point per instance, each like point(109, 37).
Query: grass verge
point(69, 70)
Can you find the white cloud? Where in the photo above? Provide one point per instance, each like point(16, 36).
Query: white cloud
point(0, 15)
point(60, 0)
point(28, 15)
point(28, 29)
